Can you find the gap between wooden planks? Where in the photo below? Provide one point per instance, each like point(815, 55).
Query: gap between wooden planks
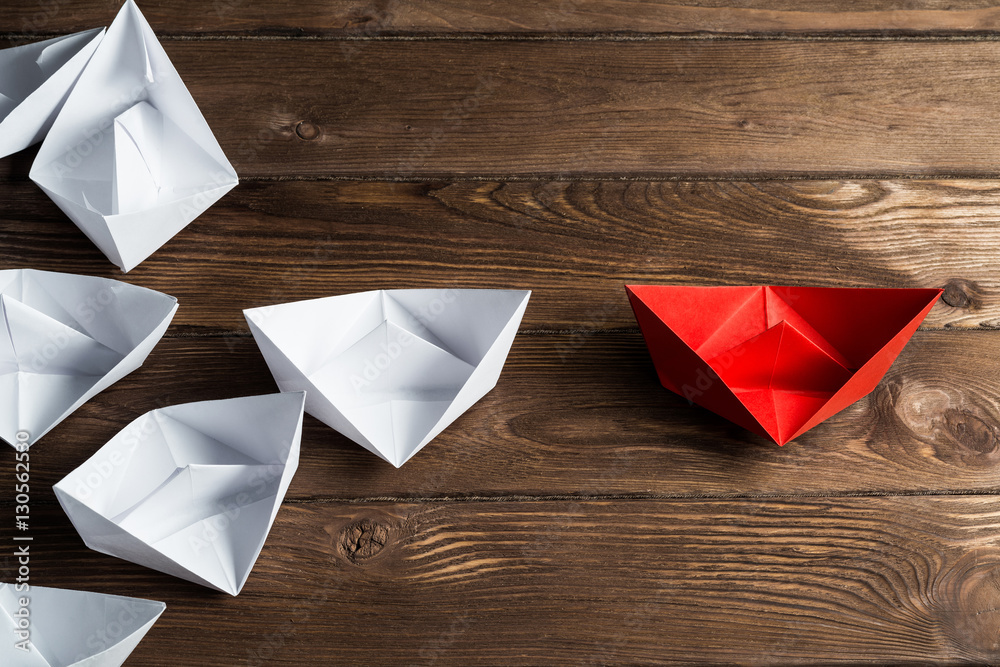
point(778, 581)
point(575, 244)
point(680, 109)
point(590, 419)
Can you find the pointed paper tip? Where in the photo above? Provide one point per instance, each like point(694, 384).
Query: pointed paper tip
point(640, 291)
point(133, 10)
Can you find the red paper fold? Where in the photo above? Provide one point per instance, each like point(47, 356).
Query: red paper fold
point(776, 360)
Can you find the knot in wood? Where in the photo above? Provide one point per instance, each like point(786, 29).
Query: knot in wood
point(962, 294)
point(363, 539)
point(971, 431)
point(951, 420)
point(306, 131)
point(970, 584)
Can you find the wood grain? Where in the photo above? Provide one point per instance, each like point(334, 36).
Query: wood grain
point(381, 18)
point(580, 514)
point(705, 108)
point(767, 581)
point(585, 416)
point(575, 244)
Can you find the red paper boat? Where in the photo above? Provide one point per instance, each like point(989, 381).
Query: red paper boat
point(776, 360)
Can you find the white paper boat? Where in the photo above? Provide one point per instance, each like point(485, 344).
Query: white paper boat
point(35, 80)
point(190, 490)
point(71, 628)
point(130, 158)
point(63, 339)
point(390, 369)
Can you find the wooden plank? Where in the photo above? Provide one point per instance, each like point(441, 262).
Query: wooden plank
point(586, 416)
point(778, 581)
point(574, 244)
point(351, 18)
point(497, 109)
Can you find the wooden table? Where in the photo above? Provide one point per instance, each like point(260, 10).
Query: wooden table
point(580, 514)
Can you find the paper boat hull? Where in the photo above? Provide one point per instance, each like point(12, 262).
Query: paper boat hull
point(776, 360)
point(32, 117)
point(74, 628)
point(390, 369)
point(190, 490)
point(63, 339)
point(130, 158)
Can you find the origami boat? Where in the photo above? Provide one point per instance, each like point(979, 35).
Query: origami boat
point(65, 338)
point(69, 628)
point(190, 490)
point(130, 159)
point(776, 360)
point(35, 80)
point(390, 369)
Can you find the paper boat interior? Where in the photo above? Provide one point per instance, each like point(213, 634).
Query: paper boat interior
point(390, 369)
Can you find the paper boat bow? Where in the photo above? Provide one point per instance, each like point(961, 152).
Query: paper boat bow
point(63, 339)
point(35, 80)
point(72, 628)
point(776, 360)
point(191, 490)
point(390, 369)
point(130, 159)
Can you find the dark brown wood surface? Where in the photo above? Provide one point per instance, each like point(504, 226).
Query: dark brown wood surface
point(580, 514)
point(780, 580)
point(557, 18)
point(712, 108)
point(574, 243)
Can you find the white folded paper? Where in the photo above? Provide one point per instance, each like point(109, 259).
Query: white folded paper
point(66, 628)
point(63, 339)
point(390, 369)
point(130, 157)
point(190, 490)
point(35, 80)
